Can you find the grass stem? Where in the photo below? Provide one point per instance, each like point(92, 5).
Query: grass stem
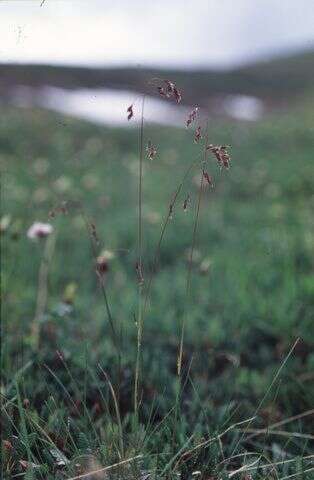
point(139, 265)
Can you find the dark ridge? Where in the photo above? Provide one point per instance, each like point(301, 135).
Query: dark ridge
point(275, 80)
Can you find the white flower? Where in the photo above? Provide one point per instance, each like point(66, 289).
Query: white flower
point(39, 230)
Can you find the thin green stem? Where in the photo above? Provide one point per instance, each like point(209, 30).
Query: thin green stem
point(188, 284)
point(162, 234)
point(42, 292)
point(101, 282)
point(189, 274)
point(139, 265)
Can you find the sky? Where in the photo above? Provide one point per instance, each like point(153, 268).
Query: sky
point(178, 33)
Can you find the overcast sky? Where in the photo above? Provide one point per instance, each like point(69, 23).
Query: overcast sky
point(213, 33)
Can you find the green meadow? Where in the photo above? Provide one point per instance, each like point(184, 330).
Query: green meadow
point(236, 268)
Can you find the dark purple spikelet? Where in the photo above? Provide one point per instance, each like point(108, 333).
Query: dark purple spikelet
point(222, 156)
point(161, 91)
point(151, 150)
point(208, 178)
point(169, 90)
point(130, 112)
point(198, 134)
point(192, 116)
point(186, 202)
point(102, 266)
point(170, 213)
point(93, 232)
point(177, 95)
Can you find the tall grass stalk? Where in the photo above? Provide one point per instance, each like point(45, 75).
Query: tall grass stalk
point(139, 322)
point(42, 290)
point(117, 340)
point(101, 281)
point(172, 204)
point(188, 284)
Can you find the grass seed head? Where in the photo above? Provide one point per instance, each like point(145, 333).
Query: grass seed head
point(221, 154)
point(208, 178)
point(192, 116)
point(130, 112)
point(169, 89)
point(102, 265)
point(93, 232)
point(186, 202)
point(198, 134)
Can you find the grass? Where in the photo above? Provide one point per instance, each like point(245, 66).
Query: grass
point(243, 401)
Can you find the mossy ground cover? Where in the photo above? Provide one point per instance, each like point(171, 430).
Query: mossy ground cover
point(251, 296)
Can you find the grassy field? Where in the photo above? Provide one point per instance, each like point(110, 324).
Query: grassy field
point(246, 297)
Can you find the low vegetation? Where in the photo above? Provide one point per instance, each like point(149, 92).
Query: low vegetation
point(92, 333)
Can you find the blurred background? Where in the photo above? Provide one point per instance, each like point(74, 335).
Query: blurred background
point(240, 62)
point(68, 72)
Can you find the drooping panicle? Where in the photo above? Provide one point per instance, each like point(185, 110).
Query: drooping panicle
point(222, 156)
point(192, 116)
point(130, 112)
point(169, 89)
point(198, 134)
point(102, 265)
point(186, 203)
point(208, 178)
